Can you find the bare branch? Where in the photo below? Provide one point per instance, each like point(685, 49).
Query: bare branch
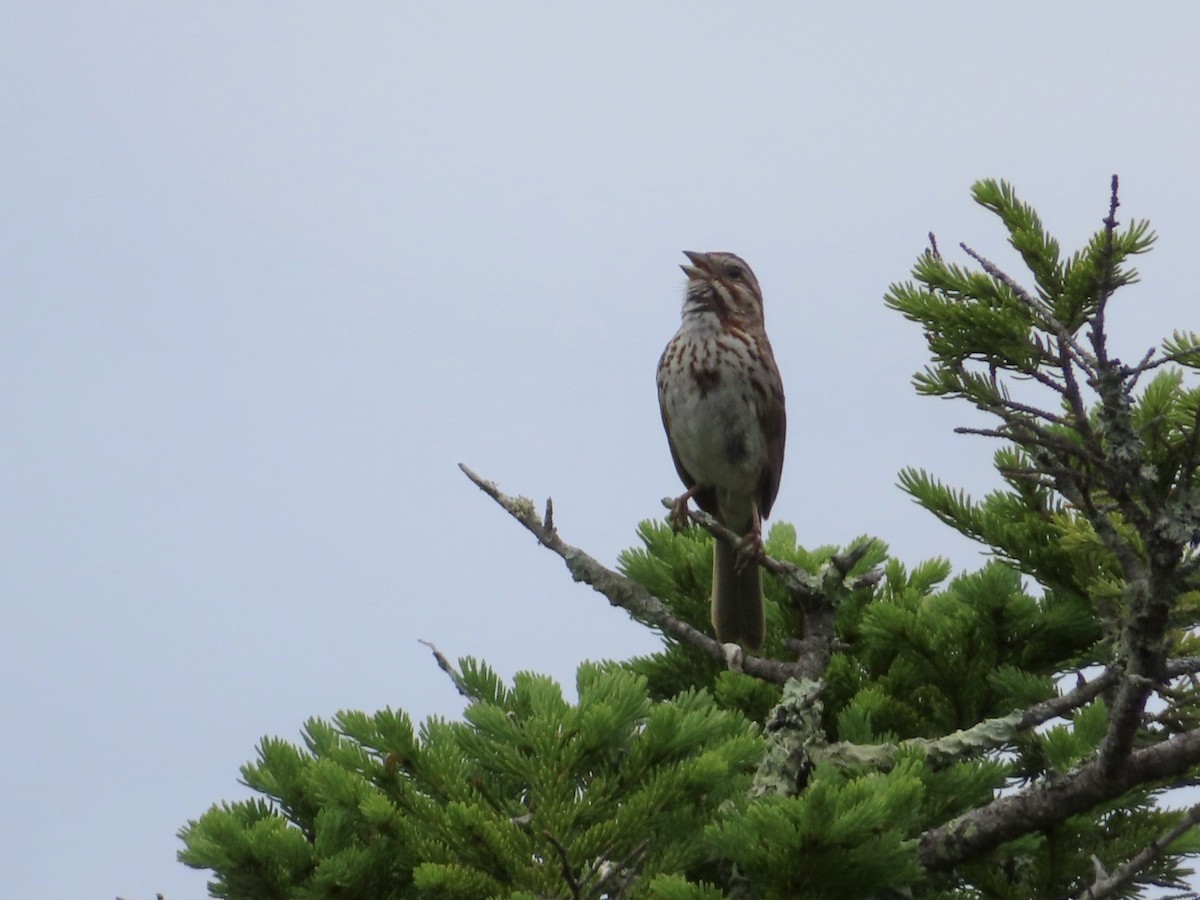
point(984, 432)
point(1073, 394)
point(1061, 705)
point(1030, 436)
point(1105, 287)
point(565, 861)
point(1042, 378)
point(1149, 363)
point(844, 562)
point(633, 597)
point(445, 666)
point(1013, 406)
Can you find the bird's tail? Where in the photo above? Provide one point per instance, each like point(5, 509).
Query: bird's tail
point(737, 599)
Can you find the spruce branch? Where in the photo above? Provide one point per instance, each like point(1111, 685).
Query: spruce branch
point(629, 595)
point(1098, 462)
point(1035, 305)
point(1050, 802)
point(1042, 311)
point(1125, 464)
point(1111, 885)
point(990, 734)
point(796, 738)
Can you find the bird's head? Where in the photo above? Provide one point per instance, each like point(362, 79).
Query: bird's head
point(722, 283)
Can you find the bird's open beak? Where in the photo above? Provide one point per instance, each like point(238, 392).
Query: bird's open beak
point(701, 267)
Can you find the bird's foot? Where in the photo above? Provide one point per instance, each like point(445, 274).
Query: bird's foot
point(750, 549)
point(678, 516)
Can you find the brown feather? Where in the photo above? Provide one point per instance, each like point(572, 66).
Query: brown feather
point(718, 376)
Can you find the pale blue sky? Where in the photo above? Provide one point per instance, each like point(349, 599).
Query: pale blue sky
point(268, 271)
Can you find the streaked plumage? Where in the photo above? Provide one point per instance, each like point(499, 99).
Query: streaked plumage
point(722, 406)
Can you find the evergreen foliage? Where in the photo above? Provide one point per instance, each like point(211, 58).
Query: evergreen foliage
point(1007, 733)
point(526, 790)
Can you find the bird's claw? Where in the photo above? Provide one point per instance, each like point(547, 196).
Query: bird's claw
point(678, 516)
point(750, 550)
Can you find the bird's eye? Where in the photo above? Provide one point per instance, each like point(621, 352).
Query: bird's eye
point(734, 271)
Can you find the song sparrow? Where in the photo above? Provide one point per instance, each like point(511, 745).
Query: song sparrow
point(722, 406)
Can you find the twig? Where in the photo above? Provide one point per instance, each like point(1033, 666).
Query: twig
point(799, 584)
point(1014, 406)
point(1110, 885)
point(1030, 436)
point(1035, 305)
point(444, 665)
point(614, 879)
point(1041, 377)
point(1133, 373)
point(568, 872)
point(984, 432)
point(844, 562)
point(1085, 693)
point(1105, 287)
point(1163, 360)
point(1039, 308)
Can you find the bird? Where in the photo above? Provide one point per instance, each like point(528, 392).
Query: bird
point(722, 404)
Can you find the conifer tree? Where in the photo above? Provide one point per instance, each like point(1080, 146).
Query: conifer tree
point(1012, 732)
